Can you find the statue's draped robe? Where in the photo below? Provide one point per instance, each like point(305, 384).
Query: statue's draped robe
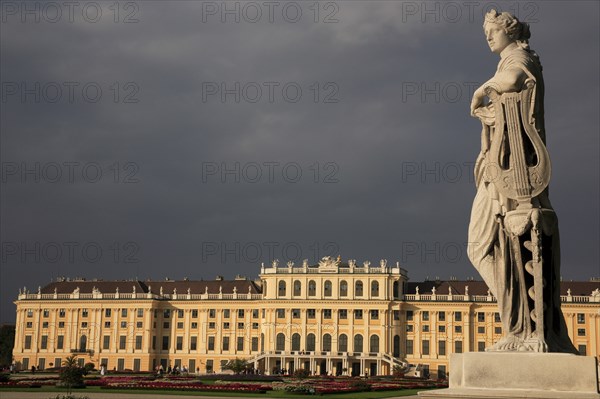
point(490, 248)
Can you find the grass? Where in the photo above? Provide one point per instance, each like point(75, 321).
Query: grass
point(269, 394)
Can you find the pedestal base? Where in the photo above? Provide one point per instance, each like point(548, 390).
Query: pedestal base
point(528, 375)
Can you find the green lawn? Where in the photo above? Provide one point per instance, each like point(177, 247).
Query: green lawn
point(269, 394)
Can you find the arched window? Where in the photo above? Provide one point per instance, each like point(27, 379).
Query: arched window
point(296, 342)
point(358, 288)
point(343, 343)
point(297, 288)
point(343, 288)
point(280, 342)
point(374, 344)
point(310, 342)
point(83, 343)
point(396, 350)
point(282, 290)
point(374, 288)
point(312, 288)
point(326, 343)
point(327, 290)
point(358, 343)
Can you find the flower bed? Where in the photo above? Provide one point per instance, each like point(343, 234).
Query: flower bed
point(178, 383)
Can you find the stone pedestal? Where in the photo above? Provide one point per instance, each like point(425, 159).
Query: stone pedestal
point(515, 375)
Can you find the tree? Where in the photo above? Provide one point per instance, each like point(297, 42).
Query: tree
point(7, 342)
point(237, 365)
point(71, 375)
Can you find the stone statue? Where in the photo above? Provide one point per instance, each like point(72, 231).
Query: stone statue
point(513, 231)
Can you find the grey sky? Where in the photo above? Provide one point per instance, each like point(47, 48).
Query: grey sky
point(385, 166)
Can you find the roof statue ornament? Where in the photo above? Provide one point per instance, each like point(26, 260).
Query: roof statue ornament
point(290, 263)
point(352, 262)
point(275, 263)
point(161, 290)
point(433, 290)
point(383, 263)
point(235, 290)
point(417, 290)
point(305, 263)
point(513, 231)
point(366, 263)
point(330, 262)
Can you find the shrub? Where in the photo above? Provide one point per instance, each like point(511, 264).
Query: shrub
point(301, 373)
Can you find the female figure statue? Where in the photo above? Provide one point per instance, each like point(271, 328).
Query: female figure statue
point(513, 231)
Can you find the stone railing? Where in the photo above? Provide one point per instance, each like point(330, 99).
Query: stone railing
point(139, 295)
point(490, 298)
point(340, 270)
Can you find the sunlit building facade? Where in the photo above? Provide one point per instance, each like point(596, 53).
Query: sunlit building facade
point(331, 318)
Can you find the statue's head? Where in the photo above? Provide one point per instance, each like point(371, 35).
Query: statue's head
point(502, 29)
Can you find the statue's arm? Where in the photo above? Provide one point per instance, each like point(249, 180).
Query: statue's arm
point(509, 80)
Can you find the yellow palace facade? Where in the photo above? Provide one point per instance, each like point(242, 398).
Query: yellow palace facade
point(331, 318)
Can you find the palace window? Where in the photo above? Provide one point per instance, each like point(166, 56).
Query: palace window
point(358, 343)
point(358, 314)
point(312, 288)
point(327, 288)
point(458, 346)
point(280, 313)
point(343, 313)
point(425, 347)
point(442, 316)
point(225, 343)
point(374, 344)
point(457, 316)
point(295, 342)
point(343, 343)
point(442, 348)
point(327, 313)
point(326, 347)
point(580, 318)
point(310, 342)
point(295, 313)
point(374, 288)
point(280, 342)
point(282, 288)
point(343, 288)
point(297, 288)
point(311, 313)
point(241, 313)
point(374, 314)
point(425, 315)
point(358, 288)
point(193, 343)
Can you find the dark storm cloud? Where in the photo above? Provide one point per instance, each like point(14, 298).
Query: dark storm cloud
point(364, 154)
